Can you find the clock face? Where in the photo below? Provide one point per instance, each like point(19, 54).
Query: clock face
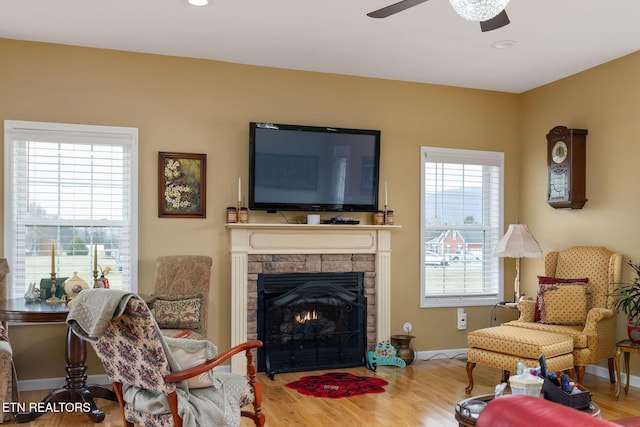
point(558, 183)
point(559, 152)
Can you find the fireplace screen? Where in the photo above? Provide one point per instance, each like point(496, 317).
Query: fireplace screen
point(318, 324)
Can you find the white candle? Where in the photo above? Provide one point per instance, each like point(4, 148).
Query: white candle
point(53, 258)
point(95, 257)
point(239, 190)
point(386, 200)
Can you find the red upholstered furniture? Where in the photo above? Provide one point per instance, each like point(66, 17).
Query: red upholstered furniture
point(516, 410)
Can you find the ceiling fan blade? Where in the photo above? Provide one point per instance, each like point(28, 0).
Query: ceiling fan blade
point(394, 8)
point(498, 21)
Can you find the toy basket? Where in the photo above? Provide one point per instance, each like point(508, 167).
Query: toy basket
point(580, 400)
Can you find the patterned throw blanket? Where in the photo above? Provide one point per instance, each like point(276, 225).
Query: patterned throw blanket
point(3, 333)
point(90, 315)
point(92, 312)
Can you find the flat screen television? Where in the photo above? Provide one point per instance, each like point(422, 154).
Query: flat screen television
point(312, 168)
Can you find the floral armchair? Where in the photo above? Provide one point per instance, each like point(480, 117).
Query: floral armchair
point(162, 381)
point(574, 298)
point(181, 290)
point(8, 380)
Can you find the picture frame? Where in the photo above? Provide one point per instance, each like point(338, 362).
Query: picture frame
point(182, 179)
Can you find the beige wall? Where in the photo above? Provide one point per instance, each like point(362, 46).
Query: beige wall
point(603, 100)
point(202, 106)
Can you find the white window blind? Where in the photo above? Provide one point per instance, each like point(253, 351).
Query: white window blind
point(462, 211)
point(72, 187)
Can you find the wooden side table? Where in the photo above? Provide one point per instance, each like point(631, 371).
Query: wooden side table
point(511, 306)
point(626, 347)
point(76, 390)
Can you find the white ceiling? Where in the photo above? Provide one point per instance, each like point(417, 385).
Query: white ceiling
point(428, 43)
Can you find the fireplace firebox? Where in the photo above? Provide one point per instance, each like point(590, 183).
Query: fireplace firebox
point(310, 321)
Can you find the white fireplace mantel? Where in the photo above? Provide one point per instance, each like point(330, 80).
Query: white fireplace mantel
point(248, 239)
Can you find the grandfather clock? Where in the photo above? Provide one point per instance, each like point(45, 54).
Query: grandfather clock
point(566, 167)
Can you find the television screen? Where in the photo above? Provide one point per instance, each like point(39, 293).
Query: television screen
point(311, 168)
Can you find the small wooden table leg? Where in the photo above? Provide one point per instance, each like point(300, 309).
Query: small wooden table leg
point(616, 361)
point(627, 356)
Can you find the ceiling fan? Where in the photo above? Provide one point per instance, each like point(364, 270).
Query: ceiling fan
point(498, 21)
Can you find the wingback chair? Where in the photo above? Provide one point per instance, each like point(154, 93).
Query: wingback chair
point(181, 289)
point(8, 380)
point(594, 332)
point(161, 381)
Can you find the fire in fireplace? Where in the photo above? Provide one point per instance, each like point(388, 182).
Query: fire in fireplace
point(311, 321)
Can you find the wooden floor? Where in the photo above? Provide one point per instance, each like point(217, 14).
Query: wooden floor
point(422, 394)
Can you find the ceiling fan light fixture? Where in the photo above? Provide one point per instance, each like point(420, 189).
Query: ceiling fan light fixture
point(198, 2)
point(478, 10)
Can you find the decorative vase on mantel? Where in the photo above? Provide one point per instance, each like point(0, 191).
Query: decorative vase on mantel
point(404, 350)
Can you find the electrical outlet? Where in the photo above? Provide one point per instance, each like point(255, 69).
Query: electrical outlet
point(462, 320)
point(407, 327)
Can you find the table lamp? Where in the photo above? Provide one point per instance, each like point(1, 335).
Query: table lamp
point(516, 243)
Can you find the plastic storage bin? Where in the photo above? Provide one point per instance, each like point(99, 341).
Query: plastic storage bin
point(526, 384)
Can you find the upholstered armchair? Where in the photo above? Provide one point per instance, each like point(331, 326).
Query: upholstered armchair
point(162, 381)
point(8, 380)
point(181, 291)
point(574, 299)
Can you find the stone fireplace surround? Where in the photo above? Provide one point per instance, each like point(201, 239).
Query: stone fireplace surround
point(277, 248)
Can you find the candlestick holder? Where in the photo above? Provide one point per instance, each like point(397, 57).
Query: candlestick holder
point(54, 299)
point(388, 216)
point(96, 282)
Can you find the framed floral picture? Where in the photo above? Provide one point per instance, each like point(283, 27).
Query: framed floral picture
point(182, 185)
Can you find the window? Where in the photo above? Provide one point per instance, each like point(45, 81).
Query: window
point(461, 211)
point(72, 188)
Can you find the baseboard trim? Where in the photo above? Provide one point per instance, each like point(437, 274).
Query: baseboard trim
point(55, 383)
point(603, 372)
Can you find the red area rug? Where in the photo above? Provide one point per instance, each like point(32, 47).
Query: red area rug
point(337, 384)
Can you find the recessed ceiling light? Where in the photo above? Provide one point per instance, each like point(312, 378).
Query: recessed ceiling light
point(198, 2)
point(503, 44)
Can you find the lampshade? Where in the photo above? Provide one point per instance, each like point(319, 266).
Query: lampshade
point(518, 242)
point(478, 10)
